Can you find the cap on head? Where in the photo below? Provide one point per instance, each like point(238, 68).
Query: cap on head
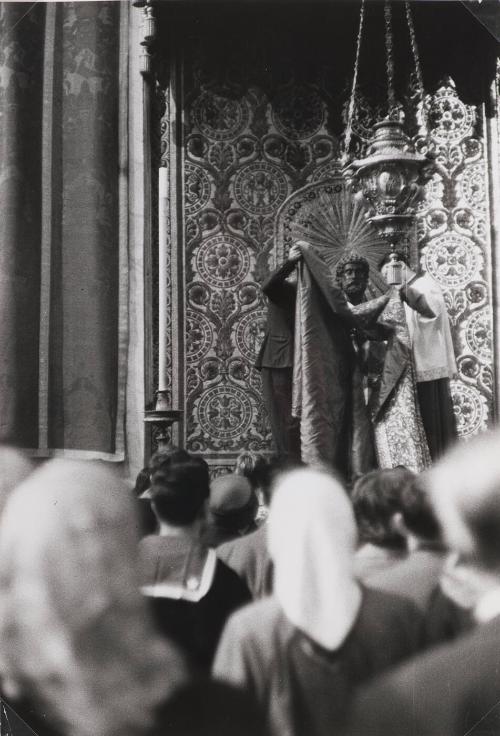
point(232, 502)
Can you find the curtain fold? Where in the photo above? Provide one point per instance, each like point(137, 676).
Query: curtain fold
point(63, 250)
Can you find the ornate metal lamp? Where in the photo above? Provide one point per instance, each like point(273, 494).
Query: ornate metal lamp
point(390, 179)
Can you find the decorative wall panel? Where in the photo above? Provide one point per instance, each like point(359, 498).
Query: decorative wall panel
point(244, 151)
point(243, 155)
point(455, 248)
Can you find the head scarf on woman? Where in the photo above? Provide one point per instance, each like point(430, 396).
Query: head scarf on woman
point(75, 636)
point(312, 538)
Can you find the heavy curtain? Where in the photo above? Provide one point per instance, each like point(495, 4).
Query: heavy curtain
point(63, 227)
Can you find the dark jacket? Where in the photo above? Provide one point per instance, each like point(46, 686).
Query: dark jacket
point(248, 556)
point(277, 347)
point(173, 570)
point(304, 689)
point(451, 691)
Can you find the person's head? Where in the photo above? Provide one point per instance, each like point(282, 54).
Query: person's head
point(76, 637)
point(352, 276)
point(180, 486)
point(376, 499)
point(232, 506)
point(312, 538)
point(252, 465)
point(417, 513)
point(465, 490)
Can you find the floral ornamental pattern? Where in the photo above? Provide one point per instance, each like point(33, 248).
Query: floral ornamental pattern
point(449, 118)
point(225, 412)
point(245, 152)
point(223, 261)
point(260, 188)
point(246, 149)
point(298, 112)
point(455, 249)
point(478, 335)
point(197, 188)
point(452, 259)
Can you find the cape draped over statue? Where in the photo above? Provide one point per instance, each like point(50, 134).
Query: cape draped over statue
point(336, 425)
point(327, 397)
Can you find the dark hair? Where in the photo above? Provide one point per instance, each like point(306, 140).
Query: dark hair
point(180, 485)
point(252, 465)
point(417, 511)
point(376, 498)
point(142, 482)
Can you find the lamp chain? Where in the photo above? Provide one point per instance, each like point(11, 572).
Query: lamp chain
point(418, 68)
point(352, 101)
point(389, 58)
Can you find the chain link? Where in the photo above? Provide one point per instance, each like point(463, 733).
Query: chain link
point(352, 101)
point(418, 68)
point(389, 59)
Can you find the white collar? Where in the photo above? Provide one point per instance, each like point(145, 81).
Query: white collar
point(194, 590)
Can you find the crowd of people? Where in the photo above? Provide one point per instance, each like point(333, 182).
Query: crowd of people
point(270, 600)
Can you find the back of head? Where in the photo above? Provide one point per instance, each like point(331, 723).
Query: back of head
point(465, 489)
point(417, 510)
point(376, 498)
point(312, 538)
point(74, 629)
point(179, 487)
point(252, 465)
point(233, 503)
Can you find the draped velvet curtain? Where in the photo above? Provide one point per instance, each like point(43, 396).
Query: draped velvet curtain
point(63, 227)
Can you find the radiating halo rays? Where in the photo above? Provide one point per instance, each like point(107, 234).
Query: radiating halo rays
point(334, 223)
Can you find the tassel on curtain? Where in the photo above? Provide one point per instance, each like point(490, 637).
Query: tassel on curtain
point(63, 228)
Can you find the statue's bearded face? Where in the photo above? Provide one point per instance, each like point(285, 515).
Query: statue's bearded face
point(354, 280)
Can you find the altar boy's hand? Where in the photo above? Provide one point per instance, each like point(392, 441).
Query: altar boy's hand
point(294, 253)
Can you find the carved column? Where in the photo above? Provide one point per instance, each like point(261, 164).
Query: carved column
point(157, 231)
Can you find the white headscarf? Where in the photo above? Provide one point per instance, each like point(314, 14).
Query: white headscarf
point(75, 633)
point(312, 537)
point(465, 481)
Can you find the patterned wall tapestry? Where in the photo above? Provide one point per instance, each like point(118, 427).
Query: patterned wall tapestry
point(243, 153)
point(242, 158)
point(455, 248)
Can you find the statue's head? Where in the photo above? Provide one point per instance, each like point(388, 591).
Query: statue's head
point(352, 276)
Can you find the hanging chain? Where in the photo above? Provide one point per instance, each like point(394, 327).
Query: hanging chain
point(389, 58)
point(418, 68)
point(352, 101)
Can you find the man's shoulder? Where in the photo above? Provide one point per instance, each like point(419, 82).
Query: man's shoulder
point(407, 576)
point(383, 606)
point(258, 617)
point(469, 659)
point(242, 546)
